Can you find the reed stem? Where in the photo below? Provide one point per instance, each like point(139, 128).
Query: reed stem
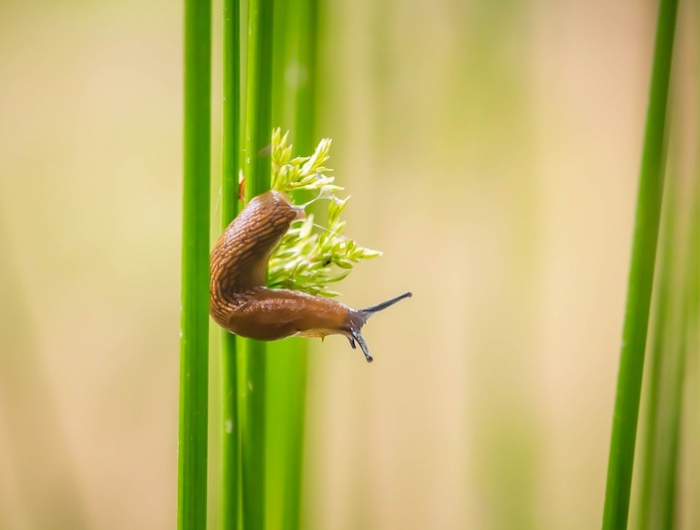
point(257, 164)
point(230, 494)
point(634, 335)
point(194, 343)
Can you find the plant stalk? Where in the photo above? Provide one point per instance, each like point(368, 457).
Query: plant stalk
point(230, 494)
point(194, 343)
point(641, 278)
point(304, 127)
point(257, 164)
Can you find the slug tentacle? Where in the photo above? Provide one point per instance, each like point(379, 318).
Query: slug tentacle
point(371, 310)
point(241, 303)
point(358, 318)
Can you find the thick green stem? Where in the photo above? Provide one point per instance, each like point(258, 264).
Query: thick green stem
point(194, 344)
point(304, 126)
point(230, 457)
point(641, 277)
point(258, 130)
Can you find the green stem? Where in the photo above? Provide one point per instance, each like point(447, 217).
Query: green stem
point(259, 97)
point(658, 361)
point(669, 462)
point(641, 277)
point(194, 343)
point(252, 396)
point(284, 50)
point(305, 120)
point(229, 209)
point(305, 113)
point(687, 331)
point(258, 130)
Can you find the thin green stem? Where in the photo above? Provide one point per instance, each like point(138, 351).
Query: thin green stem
point(296, 408)
point(194, 343)
point(304, 126)
point(305, 112)
point(252, 396)
point(665, 505)
point(259, 97)
point(229, 209)
point(641, 277)
point(287, 363)
point(669, 462)
point(283, 58)
point(258, 131)
point(658, 361)
point(687, 331)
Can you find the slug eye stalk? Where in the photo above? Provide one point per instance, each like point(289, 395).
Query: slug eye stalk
point(371, 310)
point(359, 317)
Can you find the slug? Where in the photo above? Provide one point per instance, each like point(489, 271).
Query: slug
point(242, 304)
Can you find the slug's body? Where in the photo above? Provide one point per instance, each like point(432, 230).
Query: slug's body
point(241, 303)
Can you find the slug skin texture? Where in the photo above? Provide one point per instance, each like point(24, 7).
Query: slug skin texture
point(242, 304)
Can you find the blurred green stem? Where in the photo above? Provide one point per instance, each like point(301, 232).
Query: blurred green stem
point(293, 109)
point(305, 115)
point(304, 126)
point(641, 277)
point(194, 343)
point(658, 361)
point(685, 347)
point(258, 133)
point(229, 209)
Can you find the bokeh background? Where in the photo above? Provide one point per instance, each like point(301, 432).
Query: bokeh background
point(491, 149)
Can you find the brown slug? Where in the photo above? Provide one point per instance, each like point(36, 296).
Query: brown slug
point(242, 304)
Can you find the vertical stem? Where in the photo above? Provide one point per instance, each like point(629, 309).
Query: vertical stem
point(283, 57)
point(304, 127)
point(305, 115)
point(229, 210)
point(658, 350)
point(259, 97)
point(258, 131)
point(692, 306)
point(669, 456)
point(641, 277)
point(194, 343)
point(686, 347)
point(295, 39)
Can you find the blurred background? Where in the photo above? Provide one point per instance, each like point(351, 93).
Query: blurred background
point(492, 152)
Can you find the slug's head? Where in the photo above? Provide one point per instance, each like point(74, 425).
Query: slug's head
point(358, 317)
point(277, 207)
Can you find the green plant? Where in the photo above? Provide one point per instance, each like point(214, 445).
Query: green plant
point(296, 42)
point(230, 454)
point(641, 277)
point(671, 354)
point(257, 171)
point(194, 343)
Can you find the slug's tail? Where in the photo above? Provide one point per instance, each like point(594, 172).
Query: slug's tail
point(360, 316)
